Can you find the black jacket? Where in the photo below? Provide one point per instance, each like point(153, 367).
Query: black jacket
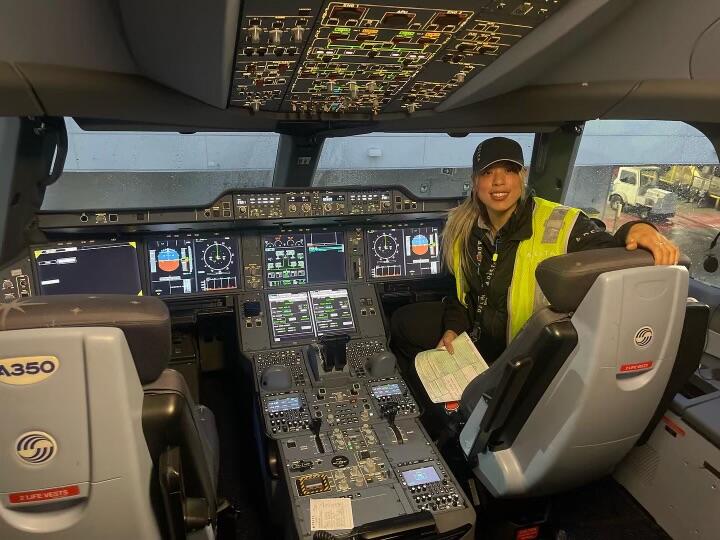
point(491, 342)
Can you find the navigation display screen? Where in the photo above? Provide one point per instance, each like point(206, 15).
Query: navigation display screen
point(110, 268)
point(331, 311)
point(284, 404)
point(302, 258)
point(290, 316)
point(192, 265)
point(386, 390)
point(424, 475)
point(404, 252)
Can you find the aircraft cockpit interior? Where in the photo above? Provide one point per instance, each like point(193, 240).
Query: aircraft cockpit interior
point(220, 222)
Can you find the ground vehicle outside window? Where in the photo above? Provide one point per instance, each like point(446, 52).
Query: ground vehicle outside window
point(636, 188)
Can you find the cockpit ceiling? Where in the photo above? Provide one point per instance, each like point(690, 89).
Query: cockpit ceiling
point(307, 67)
point(310, 57)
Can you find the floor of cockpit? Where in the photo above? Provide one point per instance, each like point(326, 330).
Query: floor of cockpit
point(240, 480)
point(604, 510)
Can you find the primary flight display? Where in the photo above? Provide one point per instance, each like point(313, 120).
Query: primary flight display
point(192, 265)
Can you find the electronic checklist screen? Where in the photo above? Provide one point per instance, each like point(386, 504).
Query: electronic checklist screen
point(88, 268)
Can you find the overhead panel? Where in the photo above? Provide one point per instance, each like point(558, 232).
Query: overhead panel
point(337, 57)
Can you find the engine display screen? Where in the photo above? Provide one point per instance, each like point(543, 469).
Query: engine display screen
point(425, 475)
point(192, 265)
point(102, 268)
point(331, 311)
point(284, 404)
point(302, 258)
point(290, 316)
point(405, 252)
point(386, 390)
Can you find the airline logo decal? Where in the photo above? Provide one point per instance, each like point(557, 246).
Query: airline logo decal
point(27, 369)
point(36, 447)
point(643, 337)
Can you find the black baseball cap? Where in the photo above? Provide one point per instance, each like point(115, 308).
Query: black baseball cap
point(496, 149)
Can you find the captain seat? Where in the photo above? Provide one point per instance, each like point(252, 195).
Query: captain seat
point(581, 382)
point(99, 439)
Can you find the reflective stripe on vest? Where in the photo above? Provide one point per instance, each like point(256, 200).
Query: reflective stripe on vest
point(524, 296)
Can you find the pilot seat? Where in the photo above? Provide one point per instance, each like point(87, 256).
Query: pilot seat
point(99, 439)
point(585, 377)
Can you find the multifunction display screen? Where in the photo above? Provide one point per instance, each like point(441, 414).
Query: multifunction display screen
point(303, 315)
point(89, 268)
point(425, 475)
point(386, 390)
point(331, 312)
point(284, 404)
point(290, 315)
point(192, 265)
point(405, 252)
point(302, 258)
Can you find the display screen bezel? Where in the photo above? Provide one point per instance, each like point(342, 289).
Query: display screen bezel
point(233, 237)
point(139, 255)
point(395, 226)
point(321, 284)
point(312, 338)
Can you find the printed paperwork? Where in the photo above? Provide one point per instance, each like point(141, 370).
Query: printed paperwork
point(331, 514)
point(446, 375)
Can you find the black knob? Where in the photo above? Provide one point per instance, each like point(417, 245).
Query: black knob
point(315, 424)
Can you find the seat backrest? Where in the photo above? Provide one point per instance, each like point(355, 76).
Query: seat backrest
point(74, 456)
point(94, 413)
point(569, 419)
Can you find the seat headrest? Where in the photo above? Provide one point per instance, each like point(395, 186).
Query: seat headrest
point(566, 279)
point(145, 321)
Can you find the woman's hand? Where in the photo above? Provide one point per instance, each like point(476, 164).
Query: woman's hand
point(642, 235)
point(446, 341)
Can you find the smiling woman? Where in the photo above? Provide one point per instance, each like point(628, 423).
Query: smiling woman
point(492, 243)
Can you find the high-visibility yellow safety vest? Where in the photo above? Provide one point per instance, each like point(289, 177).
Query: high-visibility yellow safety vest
point(551, 227)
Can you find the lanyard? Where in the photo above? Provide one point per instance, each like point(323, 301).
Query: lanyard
point(484, 284)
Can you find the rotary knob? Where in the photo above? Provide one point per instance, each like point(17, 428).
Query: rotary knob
point(296, 33)
point(275, 36)
point(254, 32)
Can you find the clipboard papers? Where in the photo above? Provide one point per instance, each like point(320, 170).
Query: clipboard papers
point(446, 375)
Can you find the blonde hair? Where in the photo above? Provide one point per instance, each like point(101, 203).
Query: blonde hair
point(460, 222)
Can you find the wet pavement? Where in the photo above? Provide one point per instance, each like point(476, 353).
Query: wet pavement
point(692, 229)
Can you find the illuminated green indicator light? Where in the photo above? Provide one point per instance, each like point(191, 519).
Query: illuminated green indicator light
point(342, 30)
point(405, 33)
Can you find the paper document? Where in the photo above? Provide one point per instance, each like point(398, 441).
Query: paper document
point(446, 375)
point(331, 514)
